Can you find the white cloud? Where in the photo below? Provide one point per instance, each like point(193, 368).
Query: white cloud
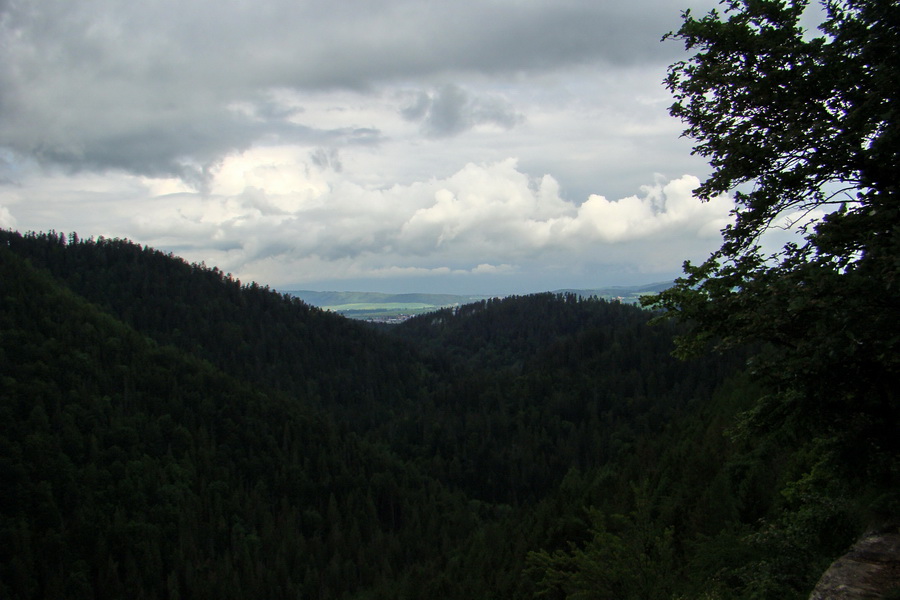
point(663, 210)
point(6, 219)
point(486, 269)
point(282, 222)
point(489, 219)
point(297, 141)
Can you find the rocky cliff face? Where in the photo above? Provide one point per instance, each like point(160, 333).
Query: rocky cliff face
point(871, 569)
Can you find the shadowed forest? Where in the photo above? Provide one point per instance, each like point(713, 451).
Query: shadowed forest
point(167, 431)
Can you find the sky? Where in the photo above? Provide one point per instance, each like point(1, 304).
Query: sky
point(472, 147)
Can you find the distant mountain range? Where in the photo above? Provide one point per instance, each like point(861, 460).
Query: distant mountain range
point(383, 306)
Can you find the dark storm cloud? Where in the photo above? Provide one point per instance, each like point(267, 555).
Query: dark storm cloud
point(169, 88)
point(327, 159)
point(186, 148)
point(451, 110)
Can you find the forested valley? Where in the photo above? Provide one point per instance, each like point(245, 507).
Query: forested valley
point(170, 432)
point(167, 431)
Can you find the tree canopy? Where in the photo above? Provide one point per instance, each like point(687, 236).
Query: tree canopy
point(802, 128)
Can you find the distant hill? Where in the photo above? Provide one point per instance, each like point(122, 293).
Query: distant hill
point(379, 306)
point(629, 294)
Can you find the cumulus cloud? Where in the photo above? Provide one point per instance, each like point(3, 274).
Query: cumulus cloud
point(6, 219)
point(663, 209)
point(483, 219)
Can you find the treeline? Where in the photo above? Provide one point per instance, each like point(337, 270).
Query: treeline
point(170, 432)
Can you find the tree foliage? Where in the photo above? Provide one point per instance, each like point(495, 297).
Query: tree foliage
point(626, 558)
point(803, 129)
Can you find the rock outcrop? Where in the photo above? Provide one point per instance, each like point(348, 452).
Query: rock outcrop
point(871, 569)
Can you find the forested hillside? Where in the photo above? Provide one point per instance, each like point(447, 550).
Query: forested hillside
point(170, 432)
point(132, 468)
point(248, 331)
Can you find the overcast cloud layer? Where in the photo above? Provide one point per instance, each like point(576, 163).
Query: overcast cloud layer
point(475, 146)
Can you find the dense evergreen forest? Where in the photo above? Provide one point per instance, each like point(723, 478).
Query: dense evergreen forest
point(167, 431)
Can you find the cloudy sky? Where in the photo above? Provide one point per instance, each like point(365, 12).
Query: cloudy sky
point(473, 146)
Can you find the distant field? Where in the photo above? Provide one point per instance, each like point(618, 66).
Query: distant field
point(377, 306)
point(387, 306)
point(393, 312)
